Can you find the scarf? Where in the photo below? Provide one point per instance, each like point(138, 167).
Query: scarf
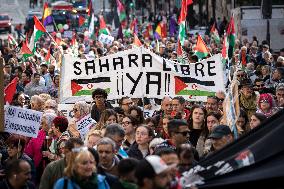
point(248, 104)
point(129, 185)
point(91, 182)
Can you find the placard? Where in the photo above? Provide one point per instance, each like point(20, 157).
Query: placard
point(106, 39)
point(84, 125)
point(22, 121)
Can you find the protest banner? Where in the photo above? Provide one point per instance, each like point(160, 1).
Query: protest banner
point(84, 125)
point(106, 39)
point(139, 73)
point(22, 121)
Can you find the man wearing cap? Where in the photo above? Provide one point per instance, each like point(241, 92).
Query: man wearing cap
point(153, 173)
point(221, 136)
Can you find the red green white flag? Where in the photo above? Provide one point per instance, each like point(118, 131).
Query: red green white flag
point(11, 40)
point(214, 34)
point(103, 27)
point(39, 30)
point(231, 36)
point(121, 14)
point(201, 50)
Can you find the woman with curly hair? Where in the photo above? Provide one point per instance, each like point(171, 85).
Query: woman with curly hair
point(108, 116)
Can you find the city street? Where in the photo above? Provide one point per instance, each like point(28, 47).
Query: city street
point(16, 9)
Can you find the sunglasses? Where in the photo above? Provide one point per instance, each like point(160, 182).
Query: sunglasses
point(264, 101)
point(261, 85)
point(75, 110)
point(240, 75)
point(184, 133)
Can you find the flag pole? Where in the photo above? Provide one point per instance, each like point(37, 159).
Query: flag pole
point(1, 94)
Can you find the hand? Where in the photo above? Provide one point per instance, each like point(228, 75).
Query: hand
point(45, 153)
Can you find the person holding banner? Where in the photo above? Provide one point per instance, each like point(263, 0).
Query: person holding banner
point(37, 147)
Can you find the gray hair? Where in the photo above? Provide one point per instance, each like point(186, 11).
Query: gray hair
point(113, 130)
point(83, 107)
point(49, 118)
point(107, 141)
point(51, 103)
point(37, 99)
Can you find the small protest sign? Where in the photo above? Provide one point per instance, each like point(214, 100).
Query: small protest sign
point(84, 125)
point(106, 39)
point(22, 121)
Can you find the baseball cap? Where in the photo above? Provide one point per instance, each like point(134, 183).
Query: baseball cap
point(157, 164)
point(220, 131)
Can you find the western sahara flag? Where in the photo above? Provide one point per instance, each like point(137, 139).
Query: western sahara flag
point(192, 86)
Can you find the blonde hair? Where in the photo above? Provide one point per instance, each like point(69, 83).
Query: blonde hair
point(45, 96)
point(73, 160)
point(93, 132)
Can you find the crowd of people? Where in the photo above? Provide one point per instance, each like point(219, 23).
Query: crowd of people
point(124, 149)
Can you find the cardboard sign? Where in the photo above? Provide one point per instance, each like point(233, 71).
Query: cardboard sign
point(139, 73)
point(84, 125)
point(106, 39)
point(22, 121)
point(49, 28)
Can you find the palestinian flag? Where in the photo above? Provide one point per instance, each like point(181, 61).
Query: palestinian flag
point(82, 20)
point(190, 86)
point(10, 90)
point(89, 11)
point(85, 87)
point(25, 51)
point(181, 21)
point(39, 30)
point(231, 37)
point(121, 14)
point(225, 48)
point(201, 50)
point(136, 41)
point(181, 55)
point(92, 27)
point(214, 34)
point(103, 27)
point(133, 26)
point(12, 41)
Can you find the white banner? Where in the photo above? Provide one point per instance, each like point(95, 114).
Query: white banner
point(84, 125)
point(139, 73)
point(22, 121)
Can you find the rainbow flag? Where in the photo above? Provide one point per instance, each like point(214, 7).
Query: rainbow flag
point(46, 17)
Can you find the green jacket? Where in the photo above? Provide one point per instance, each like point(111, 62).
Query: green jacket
point(53, 171)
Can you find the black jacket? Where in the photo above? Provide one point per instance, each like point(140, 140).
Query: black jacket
point(96, 114)
point(134, 152)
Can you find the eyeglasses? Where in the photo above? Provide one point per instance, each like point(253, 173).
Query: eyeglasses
point(184, 133)
point(129, 103)
point(75, 109)
point(99, 97)
point(126, 122)
point(261, 85)
point(49, 107)
point(264, 101)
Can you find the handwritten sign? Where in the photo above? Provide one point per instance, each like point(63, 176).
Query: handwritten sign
point(84, 125)
point(22, 121)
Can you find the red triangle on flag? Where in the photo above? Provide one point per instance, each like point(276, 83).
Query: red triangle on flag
point(136, 41)
point(81, 20)
point(10, 90)
point(75, 87)
point(179, 85)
